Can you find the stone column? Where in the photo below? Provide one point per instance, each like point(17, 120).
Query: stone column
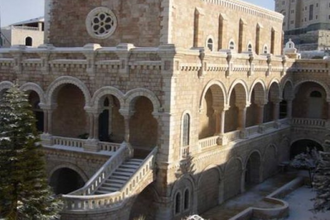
point(260, 117)
point(222, 138)
point(127, 115)
point(46, 137)
point(50, 121)
point(217, 116)
point(96, 126)
point(289, 108)
point(276, 113)
point(92, 143)
point(242, 120)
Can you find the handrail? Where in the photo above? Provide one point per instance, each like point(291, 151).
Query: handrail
point(309, 122)
point(66, 141)
point(104, 172)
point(115, 199)
point(208, 142)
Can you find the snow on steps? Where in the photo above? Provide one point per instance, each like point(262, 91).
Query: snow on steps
point(94, 196)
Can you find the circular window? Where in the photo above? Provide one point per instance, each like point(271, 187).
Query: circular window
point(101, 23)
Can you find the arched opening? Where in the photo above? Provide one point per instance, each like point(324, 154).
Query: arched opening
point(143, 126)
point(233, 178)
point(270, 162)
point(34, 101)
point(196, 28)
point(213, 103)
point(271, 109)
point(28, 41)
point(310, 101)
point(221, 32)
point(186, 200)
point(272, 44)
point(66, 180)
point(303, 146)
point(287, 97)
point(111, 122)
point(237, 101)
point(210, 44)
point(177, 205)
point(144, 205)
point(257, 100)
point(253, 170)
point(208, 190)
point(69, 118)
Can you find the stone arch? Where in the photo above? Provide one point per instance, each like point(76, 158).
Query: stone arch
point(218, 88)
point(325, 87)
point(208, 192)
point(242, 89)
point(233, 177)
point(185, 133)
point(5, 85)
point(274, 90)
point(72, 167)
point(135, 93)
point(270, 161)
point(253, 168)
point(107, 90)
point(260, 89)
point(36, 88)
point(144, 204)
point(287, 88)
point(301, 145)
point(212, 166)
point(63, 80)
point(66, 178)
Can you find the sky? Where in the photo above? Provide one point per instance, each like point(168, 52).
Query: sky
point(13, 11)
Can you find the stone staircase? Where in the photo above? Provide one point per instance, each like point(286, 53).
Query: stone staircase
point(119, 177)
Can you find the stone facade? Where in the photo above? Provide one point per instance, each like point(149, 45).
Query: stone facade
point(216, 120)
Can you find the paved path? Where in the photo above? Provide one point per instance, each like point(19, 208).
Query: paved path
point(252, 197)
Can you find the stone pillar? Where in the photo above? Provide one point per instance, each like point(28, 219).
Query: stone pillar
point(276, 113)
point(46, 137)
point(222, 138)
point(127, 115)
point(50, 121)
point(92, 142)
point(164, 209)
point(96, 126)
point(289, 108)
point(242, 120)
point(260, 117)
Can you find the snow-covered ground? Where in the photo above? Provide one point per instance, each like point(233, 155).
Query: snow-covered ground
point(300, 205)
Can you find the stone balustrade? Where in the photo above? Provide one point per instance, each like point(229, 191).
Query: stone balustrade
point(107, 146)
point(308, 122)
point(104, 172)
point(143, 177)
point(69, 142)
point(208, 142)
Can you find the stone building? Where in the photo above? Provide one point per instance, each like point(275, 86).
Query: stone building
point(185, 105)
point(28, 33)
point(307, 22)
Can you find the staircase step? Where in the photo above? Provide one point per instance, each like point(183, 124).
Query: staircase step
point(110, 184)
point(109, 189)
point(115, 181)
point(99, 192)
point(128, 166)
point(120, 177)
point(125, 170)
point(118, 173)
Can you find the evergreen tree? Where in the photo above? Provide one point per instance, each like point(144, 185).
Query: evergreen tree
point(24, 192)
point(322, 184)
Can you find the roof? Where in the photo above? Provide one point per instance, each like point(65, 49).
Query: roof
point(34, 20)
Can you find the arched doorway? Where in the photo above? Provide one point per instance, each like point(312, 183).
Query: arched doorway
point(66, 180)
point(111, 122)
point(253, 170)
point(34, 101)
point(257, 100)
point(69, 118)
point(303, 146)
point(271, 110)
point(143, 126)
point(310, 101)
point(212, 104)
point(286, 103)
point(270, 163)
point(28, 41)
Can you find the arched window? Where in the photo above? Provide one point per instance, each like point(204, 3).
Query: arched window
point(186, 199)
point(249, 47)
point(177, 208)
point(265, 49)
point(272, 45)
point(231, 45)
point(186, 130)
point(210, 44)
point(28, 41)
point(104, 119)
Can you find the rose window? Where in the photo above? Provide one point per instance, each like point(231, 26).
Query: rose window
point(101, 23)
